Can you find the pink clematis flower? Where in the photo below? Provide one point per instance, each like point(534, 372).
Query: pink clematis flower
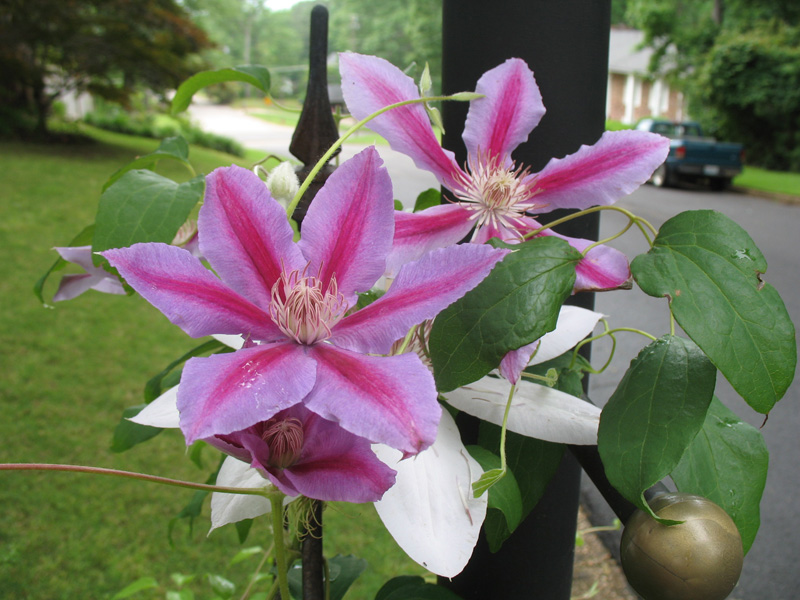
point(297, 451)
point(95, 278)
point(291, 301)
point(492, 194)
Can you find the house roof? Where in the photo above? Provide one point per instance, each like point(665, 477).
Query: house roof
point(624, 54)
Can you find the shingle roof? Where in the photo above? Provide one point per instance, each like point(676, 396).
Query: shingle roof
point(624, 55)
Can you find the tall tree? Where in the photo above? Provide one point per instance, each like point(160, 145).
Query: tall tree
point(404, 33)
point(737, 62)
point(105, 46)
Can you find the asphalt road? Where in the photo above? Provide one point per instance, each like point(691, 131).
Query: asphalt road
point(770, 569)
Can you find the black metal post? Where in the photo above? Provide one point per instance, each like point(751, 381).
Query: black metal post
point(566, 45)
point(316, 131)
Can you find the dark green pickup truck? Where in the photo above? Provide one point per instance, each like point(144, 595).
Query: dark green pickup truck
point(693, 157)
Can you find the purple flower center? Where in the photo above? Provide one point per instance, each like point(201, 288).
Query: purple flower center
point(284, 438)
point(302, 310)
point(498, 194)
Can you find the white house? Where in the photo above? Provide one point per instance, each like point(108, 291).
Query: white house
point(632, 92)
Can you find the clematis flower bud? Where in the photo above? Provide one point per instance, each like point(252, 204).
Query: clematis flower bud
point(282, 182)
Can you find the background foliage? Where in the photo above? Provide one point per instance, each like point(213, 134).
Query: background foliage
point(108, 47)
point(738, 61)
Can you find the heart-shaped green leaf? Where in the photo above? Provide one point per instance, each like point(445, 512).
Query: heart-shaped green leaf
point(142, 206)
point(428, 198)
point(710, 270)
point(727, 463)
point(174, 148)
point(654, 414)
point(253, 74)
point(515, 305)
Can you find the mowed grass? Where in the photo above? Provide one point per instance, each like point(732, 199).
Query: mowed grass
point(769, 181)
point(68, 372)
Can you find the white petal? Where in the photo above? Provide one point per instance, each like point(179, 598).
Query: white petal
point(161, 412)
point(230, 508)
point(430, 511)
point(232, 341)
point(537, 411)
point(574, 324)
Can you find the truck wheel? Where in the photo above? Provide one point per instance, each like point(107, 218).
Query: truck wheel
point(719, 183)
point(661, 177)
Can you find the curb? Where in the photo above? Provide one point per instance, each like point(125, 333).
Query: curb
point(774, 196)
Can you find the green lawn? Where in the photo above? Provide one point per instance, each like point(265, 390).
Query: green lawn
point(769, 181)
point(68, 373)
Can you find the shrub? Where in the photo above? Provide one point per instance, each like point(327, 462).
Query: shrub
point(749, 91)
point(150, 124)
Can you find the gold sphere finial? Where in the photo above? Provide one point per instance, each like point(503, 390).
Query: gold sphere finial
point(700, 559)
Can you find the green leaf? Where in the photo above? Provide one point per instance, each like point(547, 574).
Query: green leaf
point(128, 434)
point(84, 238)
point(143, 206)
point(173, 148)
point(486, 481)
point(710, 269)
point(515, 305)
point(410, 587)
point(533, 462)
point(368, 297)
point(570, 380)
point(155, 386)
point(396, 583)
point(221, 586)
point(398, 205)
point(195, 506)
point(246, 553)
point(504, 494)
point(181, 580)
point(180, 595)
point(243, 529)
point(654, 414)
point(253, 74)
point(428, 198)
point(727, 463)
point(144, 583)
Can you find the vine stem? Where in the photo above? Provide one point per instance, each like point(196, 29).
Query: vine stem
point(327, 156)
point(282, 565)
point(641, 223)
point(505, 427)
point(610, 333)
point(254, 576)
point(132, 475)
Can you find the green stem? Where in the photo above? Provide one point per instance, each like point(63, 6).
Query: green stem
point(638, 221)
point(505, 428)
point(407, 340)
point(327, 156)
point(276, 502)
point(609, 332)
point(254, 576)
point(131, 475)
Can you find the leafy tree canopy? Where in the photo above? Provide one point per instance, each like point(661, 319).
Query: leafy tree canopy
point(105, 46)
point(739, 65)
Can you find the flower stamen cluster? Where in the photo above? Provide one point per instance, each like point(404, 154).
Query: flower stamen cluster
point(497, 191)
point(302, 310)
point(284, 438)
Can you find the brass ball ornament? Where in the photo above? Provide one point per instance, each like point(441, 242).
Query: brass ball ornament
point(699, 559)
